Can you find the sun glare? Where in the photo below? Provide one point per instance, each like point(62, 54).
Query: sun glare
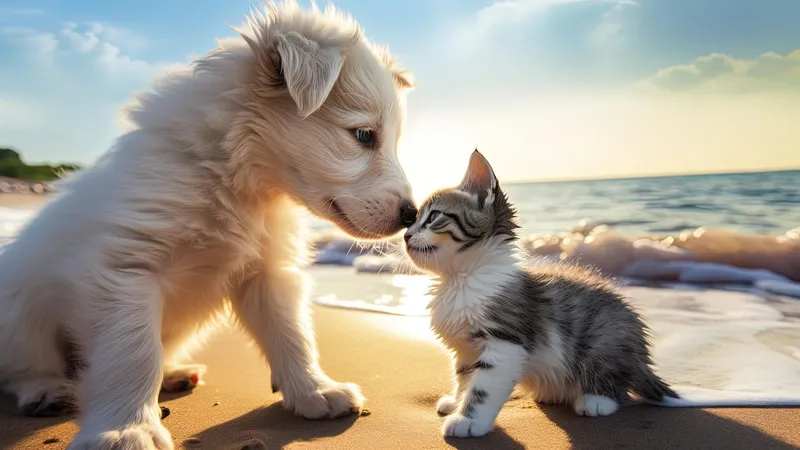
point(434, 155)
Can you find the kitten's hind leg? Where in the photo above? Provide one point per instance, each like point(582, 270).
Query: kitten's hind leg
point(601, 393)
point(591, 405)
point(494, 376)
point(545, 393)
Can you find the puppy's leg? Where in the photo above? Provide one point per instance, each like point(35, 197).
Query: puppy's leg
point(34, 367)
point(182, 377)
point(44, 397)
point(124, 373)
point(272, 307)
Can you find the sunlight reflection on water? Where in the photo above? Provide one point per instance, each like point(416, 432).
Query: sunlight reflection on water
point(393, 294)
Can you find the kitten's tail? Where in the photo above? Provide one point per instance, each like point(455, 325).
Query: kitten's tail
point(651, 387)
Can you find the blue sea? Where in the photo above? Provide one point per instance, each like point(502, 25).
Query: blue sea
point(766, 203)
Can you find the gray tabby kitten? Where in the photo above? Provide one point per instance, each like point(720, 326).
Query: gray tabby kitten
point(562, 332)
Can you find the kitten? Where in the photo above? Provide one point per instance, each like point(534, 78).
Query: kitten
point(560, 331)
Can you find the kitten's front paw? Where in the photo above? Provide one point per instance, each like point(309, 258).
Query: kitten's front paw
point(595, 406)
point(446, 405)
point(134, 437)
point(330, 401)
point(457, 425)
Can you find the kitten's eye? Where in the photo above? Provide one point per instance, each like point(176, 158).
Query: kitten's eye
point(433, 216)
point(364, 136)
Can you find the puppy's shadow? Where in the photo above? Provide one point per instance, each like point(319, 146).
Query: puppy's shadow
point(270, 427)
point(14, 427)
point(658, 428)
point(165, 396)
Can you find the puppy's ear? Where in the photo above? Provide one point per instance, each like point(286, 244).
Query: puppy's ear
point(404, 79)
point(479, 179)
point(308, 70)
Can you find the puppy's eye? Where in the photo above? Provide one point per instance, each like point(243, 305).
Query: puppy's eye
point(364, 136)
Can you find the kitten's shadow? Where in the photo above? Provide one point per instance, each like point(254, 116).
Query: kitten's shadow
point(496, 439)
point(655, 428)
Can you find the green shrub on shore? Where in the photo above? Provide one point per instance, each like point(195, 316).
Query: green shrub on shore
point(12, 166)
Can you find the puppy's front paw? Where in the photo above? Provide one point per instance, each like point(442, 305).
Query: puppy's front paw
point(331, 400)
point(446, 405)
point(457, 425)
point(134, 437)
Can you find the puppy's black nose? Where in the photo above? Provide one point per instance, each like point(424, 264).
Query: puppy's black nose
point(407, 237)
point(408, 214)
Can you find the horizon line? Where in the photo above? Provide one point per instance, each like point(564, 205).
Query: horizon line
point(653, 175)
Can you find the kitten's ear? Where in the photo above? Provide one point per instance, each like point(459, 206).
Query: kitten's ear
point(480, 178)
point(308, 69)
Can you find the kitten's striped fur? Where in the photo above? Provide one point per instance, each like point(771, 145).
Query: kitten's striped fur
point(560, 331)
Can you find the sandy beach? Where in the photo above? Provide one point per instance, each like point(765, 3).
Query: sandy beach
point(402, 372)
point(23, 201)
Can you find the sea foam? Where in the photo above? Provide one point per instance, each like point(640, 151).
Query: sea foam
point(702, 257)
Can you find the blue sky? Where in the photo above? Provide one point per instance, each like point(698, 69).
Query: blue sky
point(547, 88)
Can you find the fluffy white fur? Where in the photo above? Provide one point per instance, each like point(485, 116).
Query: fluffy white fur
point(196, 204)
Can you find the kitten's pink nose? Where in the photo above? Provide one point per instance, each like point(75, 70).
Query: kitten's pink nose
point(406, 237)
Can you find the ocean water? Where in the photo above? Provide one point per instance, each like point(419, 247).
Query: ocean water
point(766, 203)
point(732, 231)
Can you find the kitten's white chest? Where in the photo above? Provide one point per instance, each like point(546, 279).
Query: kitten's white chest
point(459, 305)
point(455, 312)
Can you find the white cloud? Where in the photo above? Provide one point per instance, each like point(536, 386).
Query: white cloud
point(117, 63)
point(719, 72)
point(612, 27)
point(504, 13)
point(40, 43)
point(87, 37)
point(81, 42)
point(531, 35)
point(102, 44)
point(67, 86)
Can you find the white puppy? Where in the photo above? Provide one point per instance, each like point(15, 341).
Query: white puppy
point(196, 204)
